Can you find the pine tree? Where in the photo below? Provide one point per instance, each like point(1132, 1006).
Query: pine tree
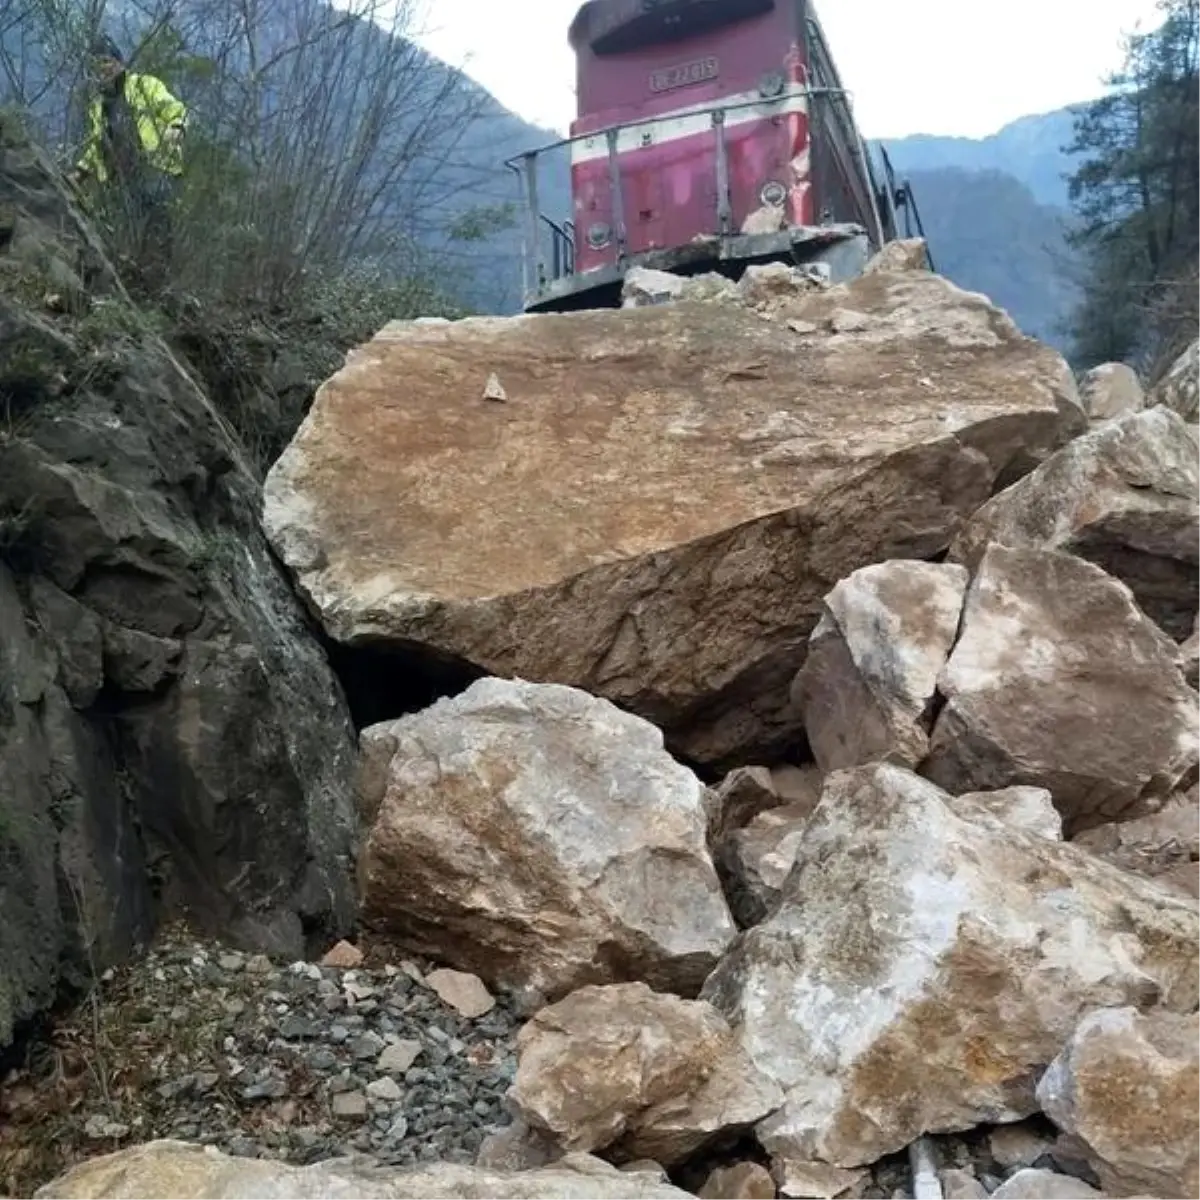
point(1136, 195)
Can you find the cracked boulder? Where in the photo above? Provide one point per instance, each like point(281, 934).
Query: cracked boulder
point(658, 508)
point(867, 689)
point(540, 838)
point(1126, 497)
point(927, 961)
point(1059, 680)
point(1126, 1088)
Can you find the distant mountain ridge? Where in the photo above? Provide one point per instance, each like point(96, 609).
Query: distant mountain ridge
point(996, 212)
point(1031, 149)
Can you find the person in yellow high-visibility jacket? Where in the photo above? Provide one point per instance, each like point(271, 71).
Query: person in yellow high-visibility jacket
point(133, 149)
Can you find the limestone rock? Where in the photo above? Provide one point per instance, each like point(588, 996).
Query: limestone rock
point(754, 862)
point(644, 286)
point(904, 254)
point(517, 1147)
point(539, 837)
point(1179, 389)
point(202, 1173)
point(172, 738)
point(816, 1181)
point(462, 992)
point(1033, 1184)
point(622, 1064)
point(1157, 845)
point(958, 1184)
point(343, 956)
point(1127, 1085)
point(1189, 656)
point(1111, 390)
point(1058, 680)
point(1125, 497)
point(722, 1109)
point(1018, 1145)
point(658, 519)
point(763, 286)
point(867, 688)
point(927, 960)
point(590, 1065)
point(741, 1181)
point(749, 791)
point(1029, 807)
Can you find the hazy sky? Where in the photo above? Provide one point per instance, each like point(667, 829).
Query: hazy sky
point(914, 66)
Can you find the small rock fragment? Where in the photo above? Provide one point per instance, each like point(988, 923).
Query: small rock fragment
point(397, 1057)
point(385, 1088)
point(741, 1181)
point(349, 1105)
point(1018, 1145)
point(494, 389)
point(343, 956)
point(464, 993)
point(847, 320)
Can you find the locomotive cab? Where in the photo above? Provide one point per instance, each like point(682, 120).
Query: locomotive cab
point(711, 134)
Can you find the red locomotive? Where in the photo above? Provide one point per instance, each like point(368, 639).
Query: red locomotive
point(711, 134)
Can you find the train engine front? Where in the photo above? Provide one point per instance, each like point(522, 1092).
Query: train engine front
point(711, 134)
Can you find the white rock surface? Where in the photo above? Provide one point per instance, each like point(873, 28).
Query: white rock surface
point(1127, 1086)
point(539, 837)
point(927, 960)
point(867, 688)
point(1059, 680)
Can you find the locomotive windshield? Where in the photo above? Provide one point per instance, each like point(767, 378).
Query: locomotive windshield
point(617, 26)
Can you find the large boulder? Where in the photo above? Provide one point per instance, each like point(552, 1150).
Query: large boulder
point(590, 1065)
point(1126, 497)
point(869, 683)
point(650, 1075)
point(927, 961)
point(172, 738)
point(1058, 680)
point(541, 838)
point(1127, 1087)
point(177, 1169)
point(658, 506)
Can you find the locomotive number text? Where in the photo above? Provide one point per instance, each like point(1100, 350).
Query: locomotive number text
point(685, 75)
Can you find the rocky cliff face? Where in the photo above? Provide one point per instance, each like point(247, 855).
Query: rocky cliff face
point(172, 740)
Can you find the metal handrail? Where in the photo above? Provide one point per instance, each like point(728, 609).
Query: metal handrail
point(525, 167)
point(514, 163)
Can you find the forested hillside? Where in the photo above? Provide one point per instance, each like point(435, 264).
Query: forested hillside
point(1136, 196)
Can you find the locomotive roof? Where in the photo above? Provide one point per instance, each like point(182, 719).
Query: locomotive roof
point(617, 11)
